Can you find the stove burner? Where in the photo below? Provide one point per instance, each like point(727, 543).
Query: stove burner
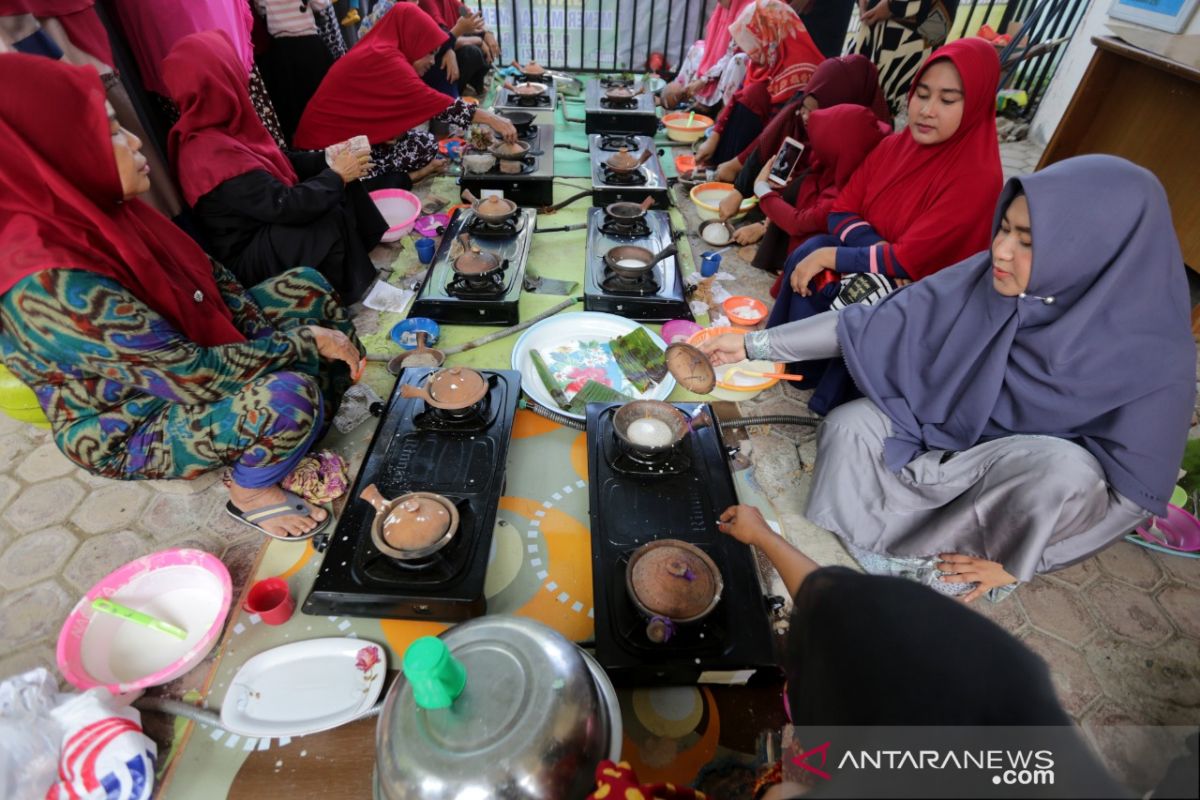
point(482, 287)
point(619, 226)
point(618, 102)
point(531, 134)
point(616, 82)
point(612, 142)
point(478, 226)
point(627, 460)
point(527, 101)
point(472, 418)
point(613, 178)
point(638, 287)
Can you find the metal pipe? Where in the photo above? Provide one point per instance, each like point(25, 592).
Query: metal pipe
point(616, 36)
point(729, 424)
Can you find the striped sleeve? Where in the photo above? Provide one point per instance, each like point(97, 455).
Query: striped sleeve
point(852, 230)
point(876, 258)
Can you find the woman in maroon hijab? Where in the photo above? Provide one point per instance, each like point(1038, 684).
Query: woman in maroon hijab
point(259, 218)
point(149, 360)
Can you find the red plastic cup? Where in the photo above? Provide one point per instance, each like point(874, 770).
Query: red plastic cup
point(272, 600)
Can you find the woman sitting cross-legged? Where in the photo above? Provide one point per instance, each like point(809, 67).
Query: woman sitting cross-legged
point(148, 360)
point(1024, 408)
point(377, 90)
point(259, 218)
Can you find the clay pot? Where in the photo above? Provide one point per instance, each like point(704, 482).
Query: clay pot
point(510, 167)
point(509, 150)
point(672, 582)
point(631, 261)
point(526, 89)
point(623, 92)
point(414, 525)
point(452, 389)
point(492, 209)
point(650, 426)
point(474, 261)
point(625, 210)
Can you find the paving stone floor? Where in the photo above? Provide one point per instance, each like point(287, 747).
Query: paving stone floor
point(1121, 631)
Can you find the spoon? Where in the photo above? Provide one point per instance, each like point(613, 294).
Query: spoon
point(783, 376)
point(106, 606)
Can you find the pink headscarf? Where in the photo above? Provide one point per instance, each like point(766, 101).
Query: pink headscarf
point(717, 36)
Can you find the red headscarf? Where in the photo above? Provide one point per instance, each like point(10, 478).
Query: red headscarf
point(373, 89)
point(61, 207)
point(851, 79)
point(782, 54)
point(219, 135)
point(444, 12)
point(934, 203)
point(716, 34)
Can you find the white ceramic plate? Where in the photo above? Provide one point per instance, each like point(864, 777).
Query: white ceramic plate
point(560, 336)
point(304, 687)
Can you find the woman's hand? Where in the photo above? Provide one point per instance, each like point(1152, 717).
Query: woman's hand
point(987, 575)
point(730, 204)
point(351, 167)
point(728, 348)
point(336, 346)
point(744, 523)
point(880, 12)
point(672, 95)
point(728, 171)
point(470, 24)
point(765, 172)
point(695, 87)
point(450, 66)
point(707, 150)
point(491, 47)
point(503, 128)
point(810, 267)
point(749, 234)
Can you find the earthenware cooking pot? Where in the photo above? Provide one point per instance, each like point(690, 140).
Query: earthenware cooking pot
point(526, 89)
point(623, 92)
point(509, 151)
point(413, 525)
point(452, 388)
point(474, 261)
point(491, 209)
point(650, 426)
point(625, 210)
point(631, 261)
point(497, 707)
point(532, 68)
point(621, 161)
point(672, 583)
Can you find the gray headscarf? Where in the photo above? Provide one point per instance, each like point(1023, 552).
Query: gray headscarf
point(1109, 363)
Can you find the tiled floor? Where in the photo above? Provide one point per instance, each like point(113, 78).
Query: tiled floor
point(1121, 631)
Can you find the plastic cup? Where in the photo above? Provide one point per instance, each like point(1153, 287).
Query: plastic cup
point(271, 599)
point(425, 249)
point(436, 676)
point(709, 263)
point(452, 150)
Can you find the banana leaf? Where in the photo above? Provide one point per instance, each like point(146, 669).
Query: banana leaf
point(548, 380)
point(595, 392)
point(639, 358)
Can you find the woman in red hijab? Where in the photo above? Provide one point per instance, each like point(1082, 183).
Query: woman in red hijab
point(149, 360)
point(376, 90)
point(782, 58)
point(921, 201)
point(475, 47)
point(259, 218)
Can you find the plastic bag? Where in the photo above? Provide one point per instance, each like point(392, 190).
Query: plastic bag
point(105, 755)
point(30, 738)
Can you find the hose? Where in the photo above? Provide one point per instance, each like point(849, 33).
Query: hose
point(729, 424)
point(567, 202)
point(554, 416)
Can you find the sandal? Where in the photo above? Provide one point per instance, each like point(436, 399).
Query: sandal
point(292, 504)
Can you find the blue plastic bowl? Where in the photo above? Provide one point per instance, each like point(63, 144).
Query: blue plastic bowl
point(404, 332)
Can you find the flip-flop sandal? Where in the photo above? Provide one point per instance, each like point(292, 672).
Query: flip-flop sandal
point(292, 505)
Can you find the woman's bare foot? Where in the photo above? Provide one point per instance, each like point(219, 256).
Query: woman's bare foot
point(436, 167)
point(288, 525)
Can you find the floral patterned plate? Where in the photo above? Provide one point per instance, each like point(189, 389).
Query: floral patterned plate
point(575, 347)
point(304, 687)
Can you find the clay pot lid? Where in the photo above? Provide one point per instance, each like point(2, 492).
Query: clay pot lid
point(534, 68)
point(417, 522)
point(472, 263)
point(619, 92)
point(457, 387)
point(691, 368)
point(529, 88)
point(494, 206)
point(673, 579)
point(622, 160)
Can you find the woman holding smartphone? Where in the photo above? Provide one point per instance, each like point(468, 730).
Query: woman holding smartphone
point(264, 212)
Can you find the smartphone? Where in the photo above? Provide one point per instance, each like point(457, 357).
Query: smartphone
point(785, 161)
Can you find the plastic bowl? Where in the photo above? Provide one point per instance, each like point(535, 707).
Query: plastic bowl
point(18, 401)
point(684, 163)
point(745, 311)
point(679, 130)
point(679, 330)
point(404, 332)
point(399, 208)
point(741, 385)
point(188, 588)
point(708, 196)
point(1179, 530)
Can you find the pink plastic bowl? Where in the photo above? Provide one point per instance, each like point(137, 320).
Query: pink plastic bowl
point(188, 588)
point(1179, 530)
point(399, 208)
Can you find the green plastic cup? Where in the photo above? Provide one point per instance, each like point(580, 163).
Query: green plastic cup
point(436, 676)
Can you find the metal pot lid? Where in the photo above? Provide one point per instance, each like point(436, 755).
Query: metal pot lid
point(621, 160)
point(417, 522)
point(691, 368)
point(673, 579)
point(528, 703)
point(457, 387)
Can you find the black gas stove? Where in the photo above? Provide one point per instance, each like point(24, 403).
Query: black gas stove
point(627, 115)
point(677, 496)
point(490, 299)
point(657, 297)
point(533, 185)
point(610, 186)
point(542, 105)
point(420, 448)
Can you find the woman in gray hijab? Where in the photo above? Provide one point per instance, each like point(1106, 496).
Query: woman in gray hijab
point(1024, 408)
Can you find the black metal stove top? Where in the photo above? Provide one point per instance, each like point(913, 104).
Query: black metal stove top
point(446, 296)
point(679, 499)
point(533, 185)
point(418, 448)
point(611, 187)
point(542, 106)
point(633, 115)
point(660, 298)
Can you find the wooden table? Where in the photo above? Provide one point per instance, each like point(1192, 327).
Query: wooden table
point(1136, 104)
